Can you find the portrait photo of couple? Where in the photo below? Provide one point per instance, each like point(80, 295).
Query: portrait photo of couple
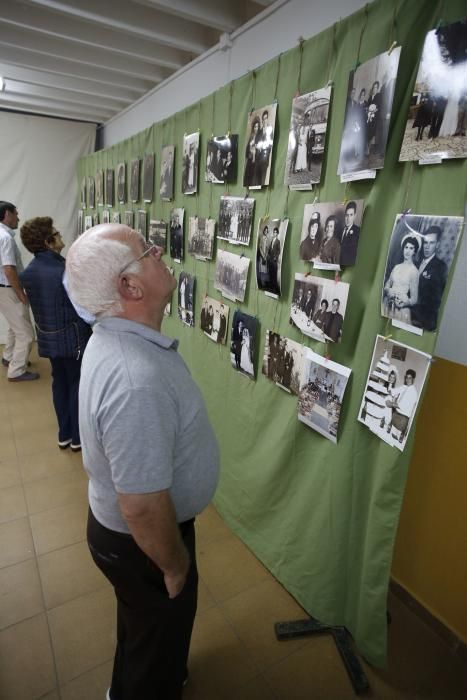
point(243, 343)
point(331, 233)
point(318, 307)
point(395, 382)
point(121, 183)
point(421, 252)
point(148, 179)
point(259, 143)
point(190, 161)
point(214, 319)
point(269, 247)
point(186, 298)
point(166, 187)
point(221, 159)
point(134, 179)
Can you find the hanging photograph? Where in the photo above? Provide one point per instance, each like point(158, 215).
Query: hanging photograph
point(116, 217)
point(421, 252)
point(176, 234)
point(166, 189)
point(88, 222)
point(201, 237)
point(393, 388)
point(121, 183)
point(214, 319)
point(437, 120)
point(95, 218)
point(91, 192)
point(235, 218)
point(259, 143)
point(100, 188)
point(330, 233)
point(142, 223)
point(318, 307)
point(158, 233)
point(367, 116)
point(307, 139)
point(109, 187)
point(148, 179)
point(323, 384)
point(186, 296)
point(106, 216)
point(190, 163)
point(83, 193)
point(134, 180)
point(221, 159)
point(168, 306)
point(80, 222)
point(231, 275)
point(130, 219)
point(282, 362)
point(243, 343)
point(270, 241)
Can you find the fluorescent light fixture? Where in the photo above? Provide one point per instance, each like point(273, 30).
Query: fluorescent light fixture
point(2, 83)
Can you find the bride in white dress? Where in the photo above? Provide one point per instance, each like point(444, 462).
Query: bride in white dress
point(451, 114)
point(245, 357)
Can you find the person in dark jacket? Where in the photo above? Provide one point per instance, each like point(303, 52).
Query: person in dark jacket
point(61, 334)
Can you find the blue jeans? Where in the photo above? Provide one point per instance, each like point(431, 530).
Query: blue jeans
point(65, 386)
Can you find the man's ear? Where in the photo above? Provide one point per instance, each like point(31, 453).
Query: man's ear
point(129, 288)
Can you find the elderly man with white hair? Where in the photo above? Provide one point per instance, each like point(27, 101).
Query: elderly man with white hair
point(150, 453)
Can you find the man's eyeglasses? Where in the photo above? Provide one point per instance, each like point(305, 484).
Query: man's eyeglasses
point(150, 250)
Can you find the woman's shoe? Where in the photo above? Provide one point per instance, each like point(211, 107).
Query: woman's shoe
point(75, 448)
point(63, 444)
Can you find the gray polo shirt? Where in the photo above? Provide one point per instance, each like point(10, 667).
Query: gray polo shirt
point(143, 423)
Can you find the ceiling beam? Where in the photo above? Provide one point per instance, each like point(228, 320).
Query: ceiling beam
point(15, 87)
point(224, 15)
point(8, 101)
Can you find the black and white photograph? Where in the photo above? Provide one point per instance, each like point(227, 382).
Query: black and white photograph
point(214, 319)
point(130, 219)
point(270, 242)
point(243, 343)
point(142, 223)
point(190, 162)
point(100, 188)
point(166, 187)
point(323, 384)
point(121, 183)
point(186, 298)
point(106, 216)
point(116, 217)
point(135, 167)
point(235, 219)
point(437, 120)
point(395, 382)
point(421, 252)
point(259, 144)
point(168, 306)
point(221, 159)
point(367, 116)
point(80, 222)
point(318, 307)
point(148, 177)
point(282, 362)
point(330, 233)
point(307, 139)
point(176, 234)
point(158, 233)
point(231, 275)
point(88, 222)
point(83, 193)
point(109, 187)
point(95, 218)
point(91, 192)
point(201, 237)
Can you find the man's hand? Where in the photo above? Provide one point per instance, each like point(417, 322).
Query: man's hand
point(175, 581)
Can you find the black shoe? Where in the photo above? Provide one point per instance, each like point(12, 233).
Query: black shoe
point(63, 444)
point(75, 448)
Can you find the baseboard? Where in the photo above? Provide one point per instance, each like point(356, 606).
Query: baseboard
point(456, 645)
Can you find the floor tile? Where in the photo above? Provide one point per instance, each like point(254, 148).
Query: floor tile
point(16, 542)
point(83, 633)
point(205, 599)
point(51, 696)
point(59, 527)
point(10, 474)
point(210, 526)
point(68, 573)
point(26, 662)
point(55, 491)
point(30, 443)
point(44, 464)
point(21, 594)
point(12, 503)
point(91, 685)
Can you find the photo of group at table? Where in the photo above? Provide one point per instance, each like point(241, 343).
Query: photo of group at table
point(330, 233)
point(318, 307)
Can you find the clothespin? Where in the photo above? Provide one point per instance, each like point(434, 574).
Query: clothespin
point(387, 337)
point(406, 212)
point(392, 47)
point(315, 200)
point(337, 277)
point(246, 194)
point(327, 353)
point(440, 22)
point(432, 360)
point(330, 83)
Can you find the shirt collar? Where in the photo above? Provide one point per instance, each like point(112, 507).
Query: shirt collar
point(9, 230)
point(123, 325)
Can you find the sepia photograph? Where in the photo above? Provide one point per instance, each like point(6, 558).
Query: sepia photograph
point(221, 159)
point(243, 343)
point(148, 178)
point(83, 193)
point(91, 192)
point(201, 237)
point(214, 319)
point(116, 217)
point(100, 188)
point(318, 307)
point(437, 120)
point(134, 179)
point(168, 306)
point(130, 219)
point(270, 242)
point(166, 187)
point(282, 362)
point(190, 163)
point(121, 183)
point(95, 218)
point(88, 223)
point(307, 139)
point(176, 234)
point(186, 297)
point(421, 252)
point(106, 216)
point(80, 222)
point(158, 233)
point(235, 219)
point(395, 382)
point(231, 275)
point(259, 145)
point(109, 187)
point(330, 233)
point(370, 94)
point(323, 384)
point(142, 223)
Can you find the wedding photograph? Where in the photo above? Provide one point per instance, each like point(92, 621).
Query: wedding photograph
point(100, 188)
point(91, 192)
point(134, 179)
point(235, 219)
point(115, 217)
point(221, 159)
point(201, 237)
point(83, 193)
point(259, 144)
point(186, 297)
point(121, 183)
point(166, 187)
point(190, 161)
point(231, 275)
point(157, 234)
point(243, 343)
point(318, 307)
point(148, 177)
point(109, 187)
point(129, 219)
point(214, 319)
point(270, 240)
point(282, 362)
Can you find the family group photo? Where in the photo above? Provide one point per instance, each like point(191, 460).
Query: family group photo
point(282, 361)
point(318, 307)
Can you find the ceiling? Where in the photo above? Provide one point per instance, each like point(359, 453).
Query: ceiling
point(89, 59)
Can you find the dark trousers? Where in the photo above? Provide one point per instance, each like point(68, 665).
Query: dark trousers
point(65, 386)
point(153, 631)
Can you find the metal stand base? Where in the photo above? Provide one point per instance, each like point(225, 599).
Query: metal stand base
point(343, 640)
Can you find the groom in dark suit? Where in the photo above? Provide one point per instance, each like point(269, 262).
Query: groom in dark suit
point(349, 236)
point(432, 276)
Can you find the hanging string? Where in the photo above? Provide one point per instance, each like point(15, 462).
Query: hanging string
point(300, 61)
point(253, 89)
point(231, 89)
point(357, 62)
point(393, 30)
point(332, 50)
point(277, 76)
point(286, 204)
point(409, 182)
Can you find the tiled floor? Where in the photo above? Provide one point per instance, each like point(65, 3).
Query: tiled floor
point(57, 611)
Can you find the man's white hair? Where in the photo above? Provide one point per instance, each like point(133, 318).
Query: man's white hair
point(93, 266)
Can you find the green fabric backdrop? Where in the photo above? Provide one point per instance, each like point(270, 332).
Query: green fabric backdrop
point(321, 517)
